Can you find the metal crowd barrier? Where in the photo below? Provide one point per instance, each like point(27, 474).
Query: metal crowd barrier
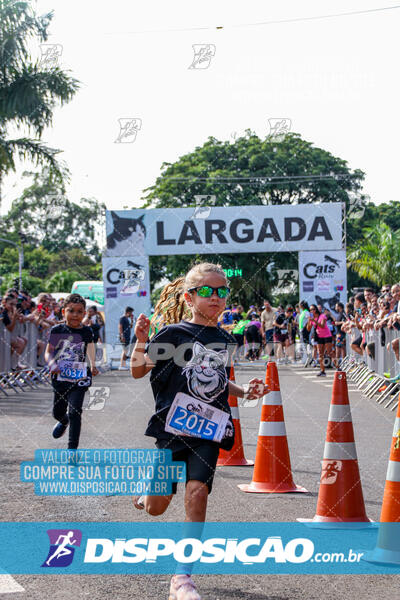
point(376, 373)
point(13, 378)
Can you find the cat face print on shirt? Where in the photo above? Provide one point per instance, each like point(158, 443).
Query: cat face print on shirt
point(68, 350)
point(128, 235)
point(205, 372)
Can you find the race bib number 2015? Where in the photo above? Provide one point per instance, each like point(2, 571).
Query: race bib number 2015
point(192, 417)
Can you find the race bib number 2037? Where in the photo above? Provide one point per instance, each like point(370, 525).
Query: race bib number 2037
point(71, 371)
point(192, 417)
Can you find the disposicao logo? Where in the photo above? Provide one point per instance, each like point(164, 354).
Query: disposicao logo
point(187, 550)
point(62, 542)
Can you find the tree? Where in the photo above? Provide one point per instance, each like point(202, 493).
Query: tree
point(29, 91)
point(76, 259)
point(36, 260)
point(62, 281)
point(255, 171)
point(47, 218)
point(378, 257)
point(33, 285)
point(250, 171)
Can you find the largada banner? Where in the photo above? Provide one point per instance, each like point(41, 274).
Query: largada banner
point(126, 283)
point(323, 277)
point(210, 229)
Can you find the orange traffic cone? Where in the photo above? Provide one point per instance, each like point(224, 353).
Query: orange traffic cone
point(235, 456)
point(387, 550)
point(340, 498)
point(272, 470)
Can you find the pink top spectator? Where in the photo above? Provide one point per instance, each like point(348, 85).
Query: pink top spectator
point(323, 331)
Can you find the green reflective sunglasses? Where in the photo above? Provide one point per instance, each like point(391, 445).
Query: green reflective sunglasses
point(206, 291)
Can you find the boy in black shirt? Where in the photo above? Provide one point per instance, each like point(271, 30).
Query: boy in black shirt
point(65, 355)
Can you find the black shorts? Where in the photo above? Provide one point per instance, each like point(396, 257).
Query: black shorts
point(200, 462)
point(322, 340)
point(358, 341)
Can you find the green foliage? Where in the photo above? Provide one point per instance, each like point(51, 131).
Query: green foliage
point(251, 171)
point(229, 172)
point(48, 219)
point(377, 258)
point(29, 92)
point(61, 281)
point(34, 285)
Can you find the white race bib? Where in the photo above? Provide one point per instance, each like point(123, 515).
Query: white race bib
point(71, 370)
point(192, 417)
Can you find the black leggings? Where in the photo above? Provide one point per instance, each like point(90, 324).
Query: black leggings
point(254, 340)
point(72, 400)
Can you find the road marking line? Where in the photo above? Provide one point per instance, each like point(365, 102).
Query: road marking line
point(9, 585)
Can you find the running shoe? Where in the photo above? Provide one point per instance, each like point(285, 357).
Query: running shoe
point(122, 368)
point(321, 374)
point(183, 588)
point(59, 430)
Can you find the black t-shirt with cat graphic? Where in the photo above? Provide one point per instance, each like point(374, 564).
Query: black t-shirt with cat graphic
point(190, 350)
point(70, 344)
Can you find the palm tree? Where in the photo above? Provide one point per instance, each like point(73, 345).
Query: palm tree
point(28, 91)
point(62, 281)
point(377, 257)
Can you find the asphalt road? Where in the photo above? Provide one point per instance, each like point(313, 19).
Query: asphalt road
point(26, 424)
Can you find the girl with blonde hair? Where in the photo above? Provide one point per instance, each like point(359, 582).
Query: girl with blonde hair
point(190, 360)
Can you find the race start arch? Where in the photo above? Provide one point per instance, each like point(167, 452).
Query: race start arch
point(315, 231)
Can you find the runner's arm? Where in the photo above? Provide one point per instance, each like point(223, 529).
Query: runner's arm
point(91, 354)
point(140, 363)
point(49, 358)
point(235, 389)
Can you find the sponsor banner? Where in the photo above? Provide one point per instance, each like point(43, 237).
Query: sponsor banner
point(103, 471)
point(323, 278)
point(149, 547)
point(126, 283)
point(210, 229)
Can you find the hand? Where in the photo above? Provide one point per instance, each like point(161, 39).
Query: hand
point(54, 368)
point(95, 371)
point(142, 328)
point(257, 389)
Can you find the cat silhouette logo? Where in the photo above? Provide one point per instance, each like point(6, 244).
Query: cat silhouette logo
point(62, 547)
point(127, 236)
point(115, 275)
point(329, 303)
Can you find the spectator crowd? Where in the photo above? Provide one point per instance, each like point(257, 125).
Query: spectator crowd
point(315, 335)
point(324, 335)
point(25, 327)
